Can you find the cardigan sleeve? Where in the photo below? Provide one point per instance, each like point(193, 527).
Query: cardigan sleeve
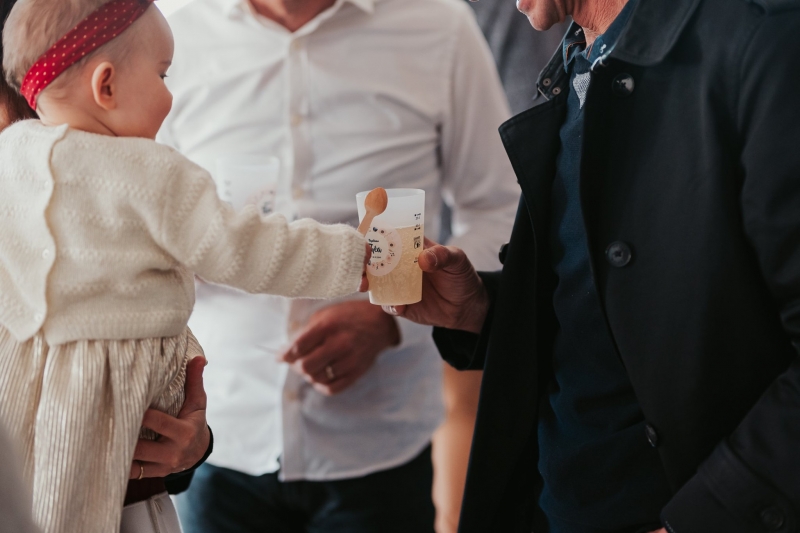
point(250, 252)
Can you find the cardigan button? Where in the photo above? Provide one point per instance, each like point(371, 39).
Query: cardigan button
point(623, 85)
point(38, 317)
point(772, 518)
point(651, 434)
point(618, 254)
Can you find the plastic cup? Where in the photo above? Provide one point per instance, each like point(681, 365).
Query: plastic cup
point(396, 237)
point(248, 180)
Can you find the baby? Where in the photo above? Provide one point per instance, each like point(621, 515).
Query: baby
point(103, 230)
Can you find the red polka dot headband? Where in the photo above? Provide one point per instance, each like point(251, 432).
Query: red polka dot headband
point(91, 33)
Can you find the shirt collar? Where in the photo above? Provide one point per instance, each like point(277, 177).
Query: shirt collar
point(231, 6)
point(654, 28)
point(574, 43)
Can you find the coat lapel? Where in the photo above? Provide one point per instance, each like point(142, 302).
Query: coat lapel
point(507, 443)
point(532, 143)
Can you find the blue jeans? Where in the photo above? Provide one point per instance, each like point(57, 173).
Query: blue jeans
point(398, 500)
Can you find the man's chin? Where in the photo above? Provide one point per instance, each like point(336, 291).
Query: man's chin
point(540, 19)
point(536, 25)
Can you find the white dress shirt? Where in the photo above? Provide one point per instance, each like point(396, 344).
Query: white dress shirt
point(390, 93)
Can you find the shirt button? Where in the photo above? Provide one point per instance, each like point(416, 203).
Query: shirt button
point(618, 254)
point(623, 85)
point(297, 119)
point(291, 395)
point(297, 45)
point(651, 434)
point(772, 518)
point(297, 193)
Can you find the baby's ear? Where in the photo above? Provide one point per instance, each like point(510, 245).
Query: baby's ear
point(104, 85)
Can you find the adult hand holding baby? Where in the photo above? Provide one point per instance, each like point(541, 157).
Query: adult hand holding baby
point(184, 440)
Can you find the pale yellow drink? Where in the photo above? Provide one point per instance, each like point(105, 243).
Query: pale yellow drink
point(396, 237)
point(403, 283)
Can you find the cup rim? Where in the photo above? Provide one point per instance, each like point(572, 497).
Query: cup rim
point(395, 193)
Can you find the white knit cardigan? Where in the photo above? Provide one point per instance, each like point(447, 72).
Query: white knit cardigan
point(100, 237)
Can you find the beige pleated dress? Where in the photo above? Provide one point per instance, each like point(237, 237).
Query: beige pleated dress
point(101, 238)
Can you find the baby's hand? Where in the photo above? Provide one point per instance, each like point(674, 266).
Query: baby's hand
point(364, 287)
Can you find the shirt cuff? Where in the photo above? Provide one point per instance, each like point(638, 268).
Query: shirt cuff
point(456, 347)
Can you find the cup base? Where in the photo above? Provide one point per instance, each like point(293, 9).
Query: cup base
point(375, 302)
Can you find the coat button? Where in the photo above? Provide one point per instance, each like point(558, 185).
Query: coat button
point(652, 435)
point(623, 85)
point(772, 518)
point(503, 253)
point(618, 254)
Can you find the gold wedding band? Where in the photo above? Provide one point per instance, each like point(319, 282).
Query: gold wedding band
point(329, 372)
point(141, 471)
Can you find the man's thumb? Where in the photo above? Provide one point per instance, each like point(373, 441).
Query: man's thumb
point(433, 259)
point(444, 258)
point(195, 392)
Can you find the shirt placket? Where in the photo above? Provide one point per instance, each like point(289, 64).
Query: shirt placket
point(298, 118)
point(298, 114)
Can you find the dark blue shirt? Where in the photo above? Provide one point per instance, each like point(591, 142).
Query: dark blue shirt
point(599, 471)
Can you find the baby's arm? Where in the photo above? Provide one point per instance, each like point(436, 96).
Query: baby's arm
point(254, 253)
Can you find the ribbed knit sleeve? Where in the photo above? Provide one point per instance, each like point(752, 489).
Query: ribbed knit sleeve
point(250, 252)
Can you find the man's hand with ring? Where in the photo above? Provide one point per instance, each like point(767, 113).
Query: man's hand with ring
point(340, 343)
point(184, 440)
point(453, 295)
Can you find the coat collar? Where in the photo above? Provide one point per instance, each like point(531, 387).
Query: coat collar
point(651, 32)
point(654, 29)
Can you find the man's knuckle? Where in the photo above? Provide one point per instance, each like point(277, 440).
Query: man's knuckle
point(174, 464)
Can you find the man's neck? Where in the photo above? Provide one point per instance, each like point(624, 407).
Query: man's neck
point(291, 14)
point(595, 16)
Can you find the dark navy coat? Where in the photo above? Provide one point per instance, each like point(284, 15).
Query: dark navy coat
point(690, 186)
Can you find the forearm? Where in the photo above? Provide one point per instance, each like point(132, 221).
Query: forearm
point(302, 259)
point(242, 249)
point(465, 350)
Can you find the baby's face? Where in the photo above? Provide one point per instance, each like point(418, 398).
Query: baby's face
point(143, 100)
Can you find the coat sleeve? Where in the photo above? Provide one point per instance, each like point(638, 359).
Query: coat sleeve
point(751, 482)
point(464, 350)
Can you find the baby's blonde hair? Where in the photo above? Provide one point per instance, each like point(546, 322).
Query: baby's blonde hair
point(33, 26)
